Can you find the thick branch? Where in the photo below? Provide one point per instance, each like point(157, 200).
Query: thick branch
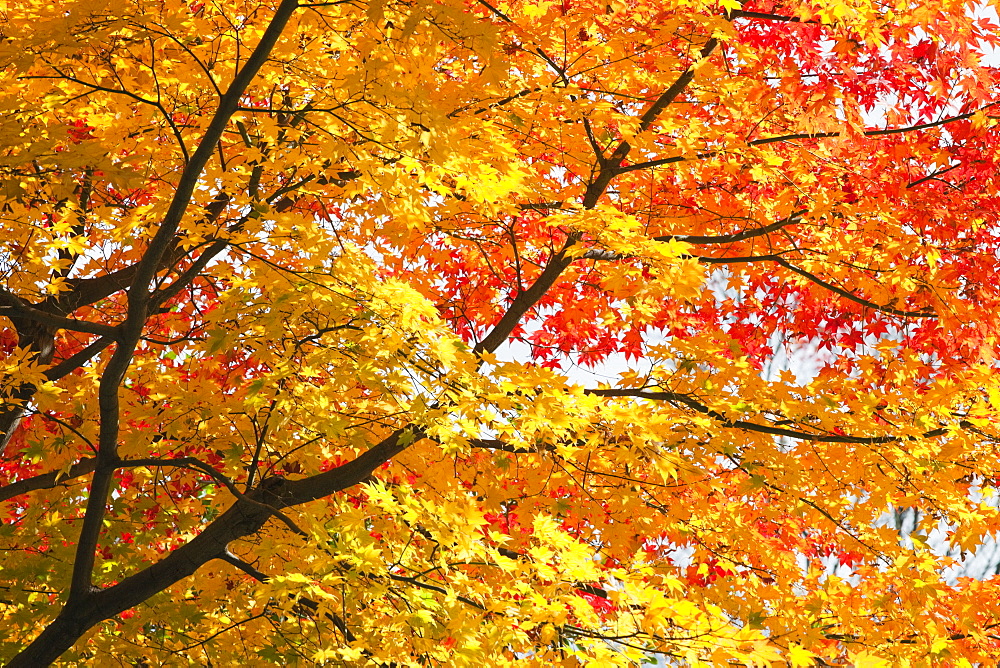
point(849, 295)
point(696, 239)
point(690, 402)
point(597, 254)
point(84, 291)
point(611, 167)
point(228, 104)
point(525, 300)
point(48, 480)
point(496, 444)
point(803, 135)
point(15, 309)
point(197, 464)
point(740, 14)
point(77, 360)
point(245, 517)
point(607, 170)
point(352, 473)
point(39, 334)
point(78, 613)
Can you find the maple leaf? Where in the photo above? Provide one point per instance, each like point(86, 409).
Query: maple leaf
point(521, 333)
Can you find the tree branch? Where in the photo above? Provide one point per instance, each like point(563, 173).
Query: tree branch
point(228, 104)
point(77, 360)
point(233, 560)
point(804, 135)
point(597, 254)
point(57, 637)
point(741, 14)
point(48, 480)
point(526, 299)
point(611, 167)
point(197, 464)
point(607, 170)
point(13, 308)
point(695, 239)
point(849, 295)
point(690, 402)
point(245, 517)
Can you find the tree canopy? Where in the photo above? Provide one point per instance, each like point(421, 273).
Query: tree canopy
point(457, 332)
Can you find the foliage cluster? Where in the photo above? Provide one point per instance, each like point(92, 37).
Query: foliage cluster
point(300, 300)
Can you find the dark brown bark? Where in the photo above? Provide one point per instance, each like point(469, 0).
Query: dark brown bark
point(88, 605)
point(244, 518)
